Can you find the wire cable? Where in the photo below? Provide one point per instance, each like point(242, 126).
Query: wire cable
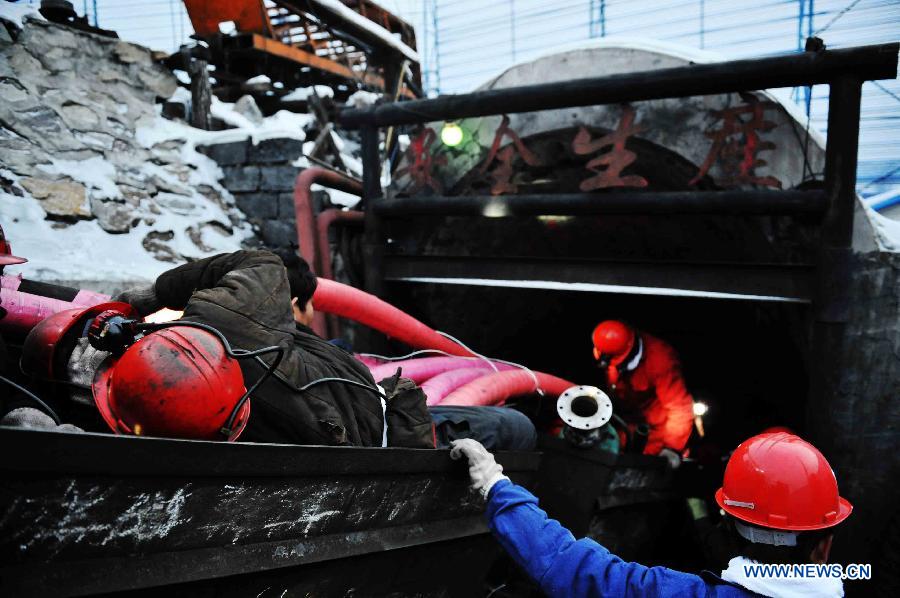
point(537, 384)
point(347, 381)
point(840, 14)
point(44, 406)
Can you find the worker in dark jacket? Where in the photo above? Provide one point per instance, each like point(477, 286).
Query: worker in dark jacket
point(252, 299)
point(643, 375)
point(257, 299)
point(770, 478)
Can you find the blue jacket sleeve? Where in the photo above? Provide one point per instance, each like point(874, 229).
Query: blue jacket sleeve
point(563, 566)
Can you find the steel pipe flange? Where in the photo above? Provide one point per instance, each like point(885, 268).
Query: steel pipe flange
point(584, 407)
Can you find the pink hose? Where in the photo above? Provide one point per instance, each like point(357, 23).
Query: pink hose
point(440, 386)
point(425, 368)
point(495, 388)
point(24, 310)
point(83, 297)
point(347, 302)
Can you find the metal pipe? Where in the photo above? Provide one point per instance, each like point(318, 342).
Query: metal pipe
point(373, 240)
point(323, 223)
point(829, 348)
point(306, 219)
point(790, 70)
point(620, 202)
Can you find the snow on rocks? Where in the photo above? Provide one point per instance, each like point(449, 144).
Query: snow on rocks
point(16, 13)
point(88, 194)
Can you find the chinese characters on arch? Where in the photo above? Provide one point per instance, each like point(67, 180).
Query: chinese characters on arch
point(733, 154)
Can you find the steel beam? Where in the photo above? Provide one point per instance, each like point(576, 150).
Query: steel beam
point(832, 302)
point(791, 70)
point(618, 202)
point(373, 241)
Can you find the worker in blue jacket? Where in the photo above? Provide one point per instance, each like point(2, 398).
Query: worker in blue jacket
point(774, 477)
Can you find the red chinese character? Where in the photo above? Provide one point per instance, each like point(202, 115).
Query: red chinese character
point(610, 165)
point(737, 143)
point(503, 172)
point(420, 162)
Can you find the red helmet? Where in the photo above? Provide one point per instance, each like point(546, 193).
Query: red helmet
point(177, 382)
point(773, 429)
point(6, 256)
point(39, 350)
point(780, 481)
point(613, 339)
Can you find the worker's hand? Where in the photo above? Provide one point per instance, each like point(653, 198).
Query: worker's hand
point(483, 469)
point(143, 299)
point(672, 457)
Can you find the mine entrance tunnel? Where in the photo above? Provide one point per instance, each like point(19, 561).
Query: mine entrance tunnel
point(746, 360)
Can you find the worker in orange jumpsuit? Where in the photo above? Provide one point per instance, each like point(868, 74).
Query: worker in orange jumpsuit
point(643, 375)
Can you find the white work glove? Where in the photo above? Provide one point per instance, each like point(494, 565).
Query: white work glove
point(483, 469)
point(672, 457)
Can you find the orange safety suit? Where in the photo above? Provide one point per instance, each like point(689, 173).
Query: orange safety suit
point(655, 390)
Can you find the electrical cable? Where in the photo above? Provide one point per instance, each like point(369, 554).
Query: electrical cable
point(537, 384)
point(478, 356)
point(44, 406)
point(840, 14)
point(309, 385)
point(885, 90)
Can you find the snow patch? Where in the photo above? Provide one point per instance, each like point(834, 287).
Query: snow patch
point(282, 124)
point(259, 80)
point(363, 98)
point(887, 230)
point(84, 251)
point(337, 197)
point(336, 7)
point(17, 13)
point(303, 93)
point(95, 173)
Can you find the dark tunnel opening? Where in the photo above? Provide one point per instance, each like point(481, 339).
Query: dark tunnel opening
point(744, 359)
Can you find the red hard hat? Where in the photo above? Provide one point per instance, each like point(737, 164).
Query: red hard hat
point(613, 338)
point(780, 481)
point(39, 350)
point(6, 256)
point(177, 382)
point(773, 429)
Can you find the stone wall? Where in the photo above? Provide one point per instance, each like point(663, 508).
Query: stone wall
point(261, 178)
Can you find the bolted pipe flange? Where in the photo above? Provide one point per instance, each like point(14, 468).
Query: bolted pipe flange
point(584, 407)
